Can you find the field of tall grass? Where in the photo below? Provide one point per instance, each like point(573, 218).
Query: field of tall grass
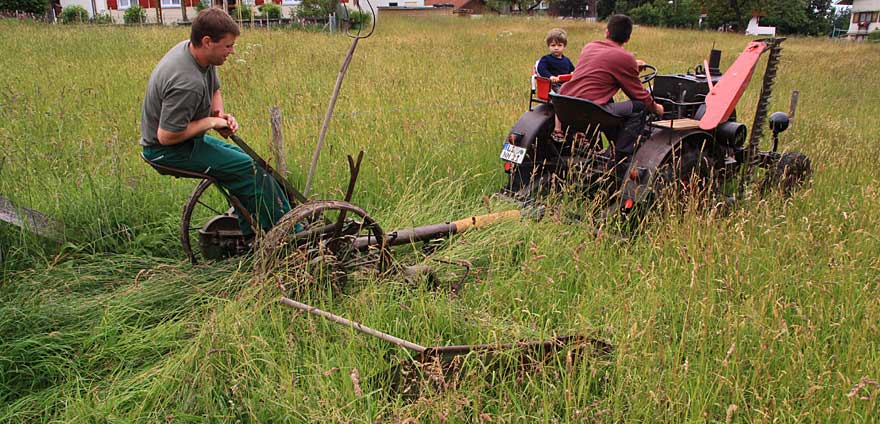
point(768, 314)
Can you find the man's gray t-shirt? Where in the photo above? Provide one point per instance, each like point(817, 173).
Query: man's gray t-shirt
point(179, 92)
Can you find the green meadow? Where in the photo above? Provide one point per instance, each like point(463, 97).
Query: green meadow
point(768, 314)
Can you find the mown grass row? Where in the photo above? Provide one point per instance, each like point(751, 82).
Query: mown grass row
point(768, 314)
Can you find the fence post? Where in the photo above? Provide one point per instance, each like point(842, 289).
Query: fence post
point(278, 149)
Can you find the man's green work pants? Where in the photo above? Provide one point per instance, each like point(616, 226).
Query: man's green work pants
point(260, 194)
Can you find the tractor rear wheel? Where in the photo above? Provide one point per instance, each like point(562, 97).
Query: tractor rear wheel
point(685, 174)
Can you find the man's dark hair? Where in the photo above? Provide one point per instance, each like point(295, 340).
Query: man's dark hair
point(620, 27)
point(214, 23)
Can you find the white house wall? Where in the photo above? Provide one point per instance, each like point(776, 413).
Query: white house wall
point(101, 5)
point(865, 5)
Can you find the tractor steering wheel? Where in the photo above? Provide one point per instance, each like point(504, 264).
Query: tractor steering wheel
point(647, 73)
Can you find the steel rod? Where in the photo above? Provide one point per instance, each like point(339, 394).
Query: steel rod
point(356, 325)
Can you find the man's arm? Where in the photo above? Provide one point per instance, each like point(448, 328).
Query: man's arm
point(632, 86)
point(167, 138)
point(217, 110)
point(175, 118)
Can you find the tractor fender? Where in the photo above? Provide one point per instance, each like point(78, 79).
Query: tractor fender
point(650, 155)
point(530, 125)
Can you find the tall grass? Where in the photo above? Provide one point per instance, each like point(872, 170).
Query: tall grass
point(769, 314)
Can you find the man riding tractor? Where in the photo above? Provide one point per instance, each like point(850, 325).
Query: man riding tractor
point(604, 67)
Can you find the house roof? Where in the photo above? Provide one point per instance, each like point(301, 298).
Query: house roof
point(844, 3)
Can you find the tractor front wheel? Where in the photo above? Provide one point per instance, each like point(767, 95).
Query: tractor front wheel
point(792, 171)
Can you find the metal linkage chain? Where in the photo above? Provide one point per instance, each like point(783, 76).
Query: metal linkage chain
point(766, 95)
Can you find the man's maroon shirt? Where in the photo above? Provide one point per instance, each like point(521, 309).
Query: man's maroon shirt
point(603, 68)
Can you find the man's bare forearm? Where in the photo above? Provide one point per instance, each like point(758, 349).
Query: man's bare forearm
point(216, 103)
point(168, 138)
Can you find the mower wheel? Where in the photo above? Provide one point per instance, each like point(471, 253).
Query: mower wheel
point(207, 206)
point(792, 170)
point(317, 241)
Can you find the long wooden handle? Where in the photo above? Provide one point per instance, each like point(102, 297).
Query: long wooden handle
point(484, 220)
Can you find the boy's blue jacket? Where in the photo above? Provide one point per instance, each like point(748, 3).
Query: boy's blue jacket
point(551, 66)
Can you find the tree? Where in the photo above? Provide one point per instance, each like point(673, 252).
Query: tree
point(820, 13)
point(502, 6)
point(735, 13)
point(606, 8)
point(36, 7)
point(842, 19)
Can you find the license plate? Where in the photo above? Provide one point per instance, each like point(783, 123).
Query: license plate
point(513, 153)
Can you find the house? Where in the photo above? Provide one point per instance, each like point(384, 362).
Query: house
point(755, 28)
point(576, 9)
point(399, 3)
point(460, 6)
point(865, 17)
point(171, 11)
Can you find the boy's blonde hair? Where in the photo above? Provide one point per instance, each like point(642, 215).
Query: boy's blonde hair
point(557, 35)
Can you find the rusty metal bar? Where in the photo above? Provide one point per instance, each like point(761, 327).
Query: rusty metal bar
point(295, 197)
point(356, 325)
point(29, 219)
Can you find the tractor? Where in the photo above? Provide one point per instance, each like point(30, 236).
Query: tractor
point(697, 142)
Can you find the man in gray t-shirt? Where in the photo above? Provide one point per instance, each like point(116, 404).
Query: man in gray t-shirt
point(183, 102)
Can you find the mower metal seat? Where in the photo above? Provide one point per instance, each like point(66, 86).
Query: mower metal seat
point(175, 172)
point(581, 115)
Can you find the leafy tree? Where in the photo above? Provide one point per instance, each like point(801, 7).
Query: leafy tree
point(270, 10)
point(606, 8)
point(315, 8)
point(37, 7)
point(788, 16)
point(134, 15)
point(646, 14)
point(74, 14)
point(842, 19)
point(735, 13)
point(679, 14)
point(501, 6)
point(820, 14)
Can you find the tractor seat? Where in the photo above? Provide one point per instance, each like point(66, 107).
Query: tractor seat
point(175, 172)
point(581, 115)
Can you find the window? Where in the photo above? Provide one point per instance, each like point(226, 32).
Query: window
point(291, 2)
point(170, 3)
point(862, 17)
point(124, 4)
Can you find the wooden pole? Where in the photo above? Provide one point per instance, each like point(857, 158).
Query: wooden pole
point(278, 149)
point(329, 113)
point(183, 10)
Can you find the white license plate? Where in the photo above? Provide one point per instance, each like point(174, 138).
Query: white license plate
point(513, 153)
